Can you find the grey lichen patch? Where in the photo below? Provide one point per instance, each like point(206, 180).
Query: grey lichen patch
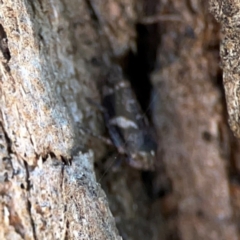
point(228, 14)
point(34, 115)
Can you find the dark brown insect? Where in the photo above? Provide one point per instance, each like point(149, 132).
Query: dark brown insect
point(127, 126)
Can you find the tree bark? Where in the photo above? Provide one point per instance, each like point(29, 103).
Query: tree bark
point(48, 185)
point(54, 56)
point(190, 123)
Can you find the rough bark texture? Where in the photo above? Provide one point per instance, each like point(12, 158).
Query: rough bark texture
point(32, 112)
point(42, 97)
point(227, 13)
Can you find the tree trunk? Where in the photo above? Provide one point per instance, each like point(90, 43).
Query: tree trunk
point(54, 56)
point(191, 127)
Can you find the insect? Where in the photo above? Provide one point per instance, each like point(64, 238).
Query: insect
point(127, 126)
